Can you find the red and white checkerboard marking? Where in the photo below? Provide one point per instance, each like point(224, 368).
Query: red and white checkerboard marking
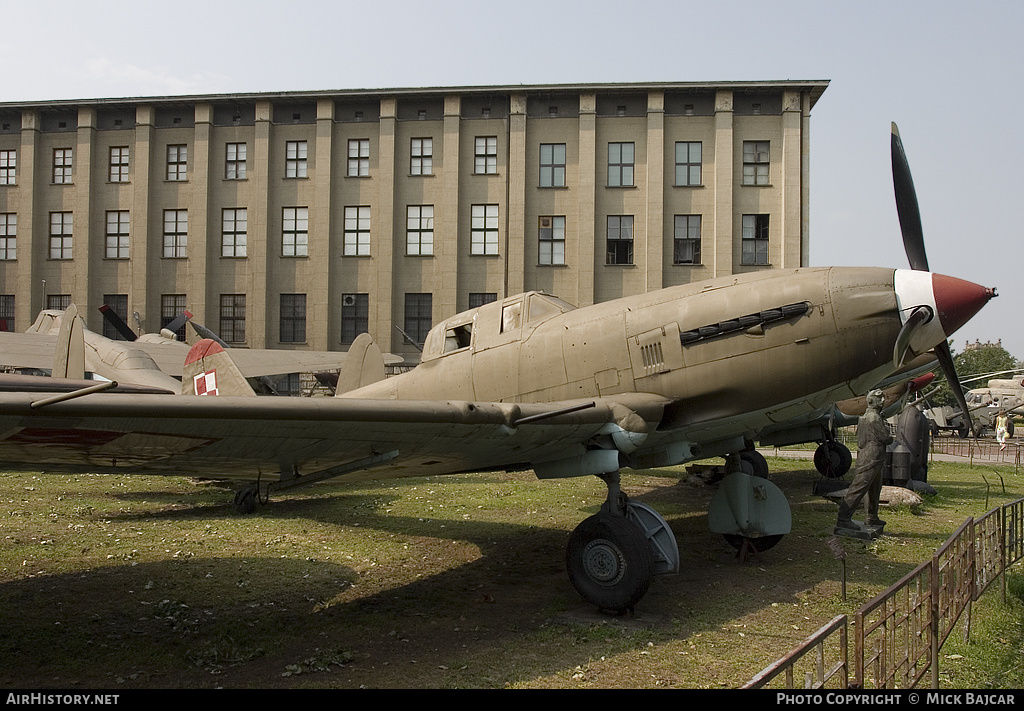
point(206, 383)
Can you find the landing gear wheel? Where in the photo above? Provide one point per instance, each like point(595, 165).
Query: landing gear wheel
point(245, 500)
point(754, 463)
point(963, 431)
point(610, 562)
point(759, 545)
point(832, 459)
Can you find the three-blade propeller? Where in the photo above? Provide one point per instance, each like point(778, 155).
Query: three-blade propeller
point(913, 242)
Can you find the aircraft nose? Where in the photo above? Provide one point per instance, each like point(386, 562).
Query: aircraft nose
point(957, 300)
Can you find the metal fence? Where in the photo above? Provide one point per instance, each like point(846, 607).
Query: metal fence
point(898, 635)
point(976, 451)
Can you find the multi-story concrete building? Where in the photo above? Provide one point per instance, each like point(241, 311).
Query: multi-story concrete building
point(302, 219)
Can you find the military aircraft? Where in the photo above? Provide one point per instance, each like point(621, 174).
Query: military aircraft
point(151, 359)
point(529, 381)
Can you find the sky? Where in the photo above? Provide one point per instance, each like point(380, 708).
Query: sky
point(950, 75)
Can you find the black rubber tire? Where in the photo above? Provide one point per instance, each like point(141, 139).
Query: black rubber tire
point(760, 544)
point(758, 464)
point(832, 459)
point(610, 562)
point(245, 500)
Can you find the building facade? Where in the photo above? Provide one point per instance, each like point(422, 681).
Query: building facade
point(299, 220)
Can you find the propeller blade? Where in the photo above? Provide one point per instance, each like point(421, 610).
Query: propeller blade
point(906, 206)
point(202, 331)
point(177, 323)
point(945, 357)
point(117, 322)
point(901, 349)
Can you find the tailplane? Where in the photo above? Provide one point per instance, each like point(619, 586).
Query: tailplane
point(364, 364)
point(209, 370)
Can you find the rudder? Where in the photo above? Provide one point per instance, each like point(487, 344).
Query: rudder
point(364, 364)
point(209, 370)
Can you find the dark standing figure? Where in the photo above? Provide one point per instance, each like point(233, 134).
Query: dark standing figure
point(872, 439)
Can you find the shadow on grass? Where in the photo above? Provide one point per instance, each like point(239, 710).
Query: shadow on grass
point(475, 603)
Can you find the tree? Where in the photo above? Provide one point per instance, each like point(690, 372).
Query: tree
point(974, 360)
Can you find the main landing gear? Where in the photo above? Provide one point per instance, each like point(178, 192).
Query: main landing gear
point(247, 498)
point(832, 459)
point(613, 556)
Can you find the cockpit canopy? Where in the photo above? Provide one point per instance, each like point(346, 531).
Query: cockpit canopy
point(494, 324)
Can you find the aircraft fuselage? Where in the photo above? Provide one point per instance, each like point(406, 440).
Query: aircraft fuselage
point(777, 344)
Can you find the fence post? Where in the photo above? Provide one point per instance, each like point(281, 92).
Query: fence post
point(933, 621)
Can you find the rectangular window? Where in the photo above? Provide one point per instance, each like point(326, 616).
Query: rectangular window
point(119, 164)
point(232, 318)
point(688, 163)
point(8, 236)
point(61, 228)
point(295, 232)
point(755, 240)
point(620, 239)
point(175, 234)
point(171, 306)
point(117, 234)
point(234, 165)
point(480, 298)
point(8, 167)
point(7, 313)
point(551, 240)
point(295, 159)
point(63, 161)
point(419, 230)
point(358, 157)
point(552, 165)
point(293, 318)
point(355, 316)
point(234, 232)
point(620, 164)
point(483, 234)
point(118, 303)
point(58, 302)
point(421, 160)
point(686, 249)
point(357, 232)
point(755, 162)
point(177, 163)
point(418, 317)
point(486, 155)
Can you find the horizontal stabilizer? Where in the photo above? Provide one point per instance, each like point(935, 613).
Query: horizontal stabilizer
point(364, 365)
point(209, 370)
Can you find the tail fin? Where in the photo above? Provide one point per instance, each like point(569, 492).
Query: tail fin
point(209, 370)
point(69, 353)
point(364, 364)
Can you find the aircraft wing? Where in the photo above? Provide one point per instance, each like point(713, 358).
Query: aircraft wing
point(253, 363)
point(258, 362)
point(27, 350)
point(35, 350)
point(292, 440)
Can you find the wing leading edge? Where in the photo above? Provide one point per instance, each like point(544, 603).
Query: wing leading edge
point(286, 439)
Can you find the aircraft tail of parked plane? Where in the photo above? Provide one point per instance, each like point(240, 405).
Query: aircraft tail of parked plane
point(363, 366)
point(69, 355)
point(209, 370)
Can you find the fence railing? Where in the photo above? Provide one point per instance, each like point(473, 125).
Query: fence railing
point(898, 635)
